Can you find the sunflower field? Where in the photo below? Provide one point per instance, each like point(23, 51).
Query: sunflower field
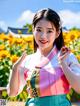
point(11, 49)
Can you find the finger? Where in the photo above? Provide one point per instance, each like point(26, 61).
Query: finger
point(23, 56)
point(63, 57)
point(64, 50)
point(20, 60)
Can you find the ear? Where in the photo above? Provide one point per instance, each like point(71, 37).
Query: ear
point(58, 33)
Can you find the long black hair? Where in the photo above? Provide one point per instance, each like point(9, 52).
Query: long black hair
point(54, 18)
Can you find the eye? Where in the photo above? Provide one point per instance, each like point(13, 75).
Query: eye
point(39, 30)
point(50, 31)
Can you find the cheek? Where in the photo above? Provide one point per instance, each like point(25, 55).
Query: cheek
point(36, 34)
point(51, 38)
point(36, 37)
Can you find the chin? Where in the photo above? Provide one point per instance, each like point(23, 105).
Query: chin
point(42, 47)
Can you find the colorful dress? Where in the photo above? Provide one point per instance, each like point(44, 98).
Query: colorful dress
point(46, 82)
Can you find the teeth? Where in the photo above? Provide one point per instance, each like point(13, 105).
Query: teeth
point(43, 42)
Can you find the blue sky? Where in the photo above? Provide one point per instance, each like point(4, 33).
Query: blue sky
point(15, 13)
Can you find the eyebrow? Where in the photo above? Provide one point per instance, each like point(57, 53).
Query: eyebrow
point(47, 28)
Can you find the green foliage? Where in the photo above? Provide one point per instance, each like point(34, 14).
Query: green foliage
point(15, 50)
point(74, 28)
point(75, 45)
point(73, 96)
point(21, 97)
point(5, 66)
point(29, 26)
point(29, 50)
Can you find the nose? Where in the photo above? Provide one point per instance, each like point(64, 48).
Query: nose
point(43, 35)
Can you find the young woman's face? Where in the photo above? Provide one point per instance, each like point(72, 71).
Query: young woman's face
point(45, 34)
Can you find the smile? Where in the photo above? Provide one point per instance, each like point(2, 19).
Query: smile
point(43, 42)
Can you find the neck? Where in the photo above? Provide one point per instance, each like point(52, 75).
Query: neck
point(45, 51)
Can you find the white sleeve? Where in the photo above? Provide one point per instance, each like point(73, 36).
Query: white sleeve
point(23, 74)
point(22, 81)
point(73, 63)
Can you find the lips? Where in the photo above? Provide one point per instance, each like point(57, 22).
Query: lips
point(43, 41)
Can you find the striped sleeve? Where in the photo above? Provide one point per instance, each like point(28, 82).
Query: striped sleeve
point(73, 63)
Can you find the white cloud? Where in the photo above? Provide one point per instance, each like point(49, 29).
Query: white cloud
point(26, 17)
point(3, 25)
point(69, 18)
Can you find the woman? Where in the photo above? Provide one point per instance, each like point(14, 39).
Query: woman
point(52, 70)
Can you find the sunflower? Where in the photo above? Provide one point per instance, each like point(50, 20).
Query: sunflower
point(2, 47)
point(78, 57)
point(19, 40)
point(4, 54)
point(3, 37)
point(14, 58)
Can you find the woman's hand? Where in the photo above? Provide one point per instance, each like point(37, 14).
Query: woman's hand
point(20, 60)
point(64, 52)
